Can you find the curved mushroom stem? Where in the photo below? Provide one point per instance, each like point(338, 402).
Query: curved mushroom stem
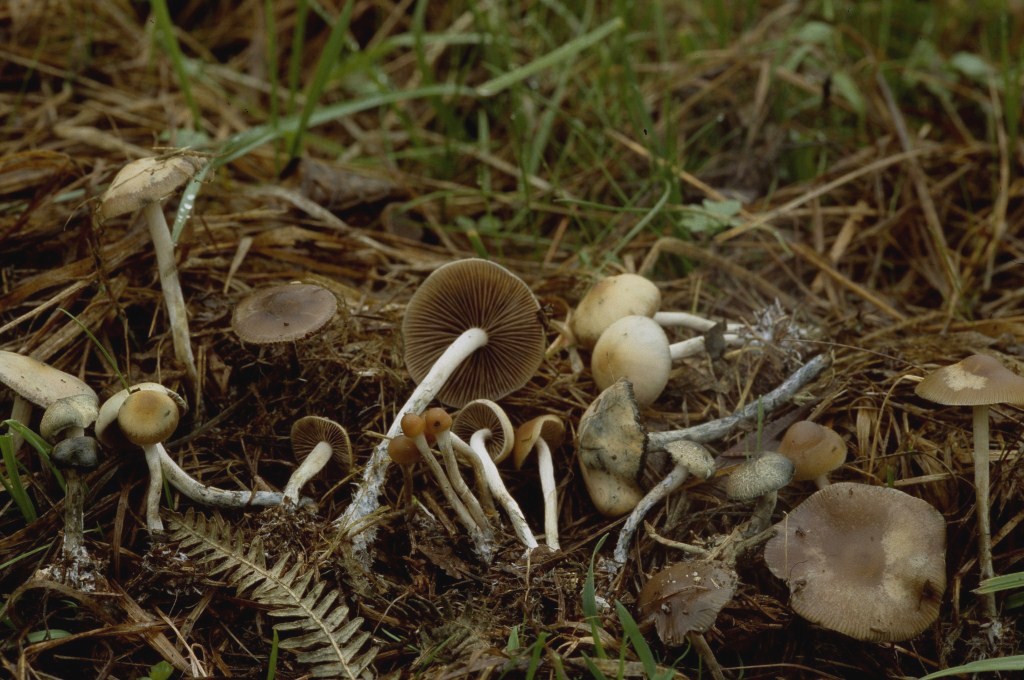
point(367, 497)
point(478, 448)
point(981, 490)
point(176, 311)
point(154, 524)
point(310, 467)
point(672, 481)
point(444, 443)
point(210, 495)
point(550, 492)
point(761, 517)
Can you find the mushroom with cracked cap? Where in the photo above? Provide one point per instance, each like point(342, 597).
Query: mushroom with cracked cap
point(541, 434)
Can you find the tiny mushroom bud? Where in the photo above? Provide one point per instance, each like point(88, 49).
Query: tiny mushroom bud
point(760, 478)
point(611, 442)
point(315, 442)
point(815, 451)
point(283, 313)
point(541, 434)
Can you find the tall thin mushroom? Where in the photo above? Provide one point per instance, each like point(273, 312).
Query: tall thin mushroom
point(541, 434)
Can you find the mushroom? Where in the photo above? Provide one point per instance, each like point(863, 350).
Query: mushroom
point(132, 429)
point(760, 478)
point(866, 561)
point(541, 434)
point(283, 313)
point(142, 184)
point(472, 330)
point(979, 381)
point(315, 442)
point(689, 459)
point(438, 423)
point(403, 451)
point(72, 455)
point(815, 450)
point(685, 597)
point(611, 443)
point(636, 348)
point(483, 414)
point(490, 441)
point(70, 404)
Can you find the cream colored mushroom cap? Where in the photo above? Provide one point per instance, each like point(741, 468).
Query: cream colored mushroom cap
point(759, 476)
point(611, 437)
point(548, 427)
point(484, 414)
point(978, 380)
point(814, 449)
point(635, 348)
point(609, 300)
point(612, 496)
point(40, 383)
point(147, 180)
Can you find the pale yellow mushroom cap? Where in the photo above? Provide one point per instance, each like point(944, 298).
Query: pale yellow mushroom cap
point(547, 427)
point(147, 180)
point(608, 301)
point(637, 349)
point(147, 417)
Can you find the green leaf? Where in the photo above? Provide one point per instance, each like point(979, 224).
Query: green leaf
point(815, 32)
point(636, 638)
point(1000, 583)
point(49, 634)
point(1006, 663)
point(13, 480)
point(848, 90)
point(972, 66)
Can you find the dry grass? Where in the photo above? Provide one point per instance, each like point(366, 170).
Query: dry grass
point(901, 250)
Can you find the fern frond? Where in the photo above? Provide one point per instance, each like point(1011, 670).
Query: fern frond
point(324, 637)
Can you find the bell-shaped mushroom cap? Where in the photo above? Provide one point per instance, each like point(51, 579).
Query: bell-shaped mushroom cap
point(468, 294)
point(78, 453)
point(697, 460)
point(147, 180)
point(608, 301)
point(484, 414)
point(309, 431)
point(547, 427)
point(866, 561)
point(40, 383)
point(147, 417)
point(611, 436)
point(978, 380)
point(78, 411)
point(814, 449)
point(108, 428)
point(684, 597)
point(403, 450)
point(635, 348)
point(762, 475)
point(284, 313)
point(435, 421)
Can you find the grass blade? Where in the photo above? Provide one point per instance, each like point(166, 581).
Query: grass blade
point(1000, 583)
point(1006, 663)
point(12, 482)
point(170, 44)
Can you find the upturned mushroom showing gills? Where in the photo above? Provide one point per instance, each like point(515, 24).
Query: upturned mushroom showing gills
point(866, 561)
point(471, 331)
point(316, 441)
point(541, 434)
point(143, 184)
point(979, 381)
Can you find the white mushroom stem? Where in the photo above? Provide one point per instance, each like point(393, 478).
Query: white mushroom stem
point(550, 492)
point(210, 495)
point(154, 524)
point(74, 502)
point(687, 320)
point(173, 297)
point(478, 447)
point(672, 481)
point(444, 443)
point(310, 468)
point(367, 497)
point(761, 517)
point(981, 490)
point(694, 346)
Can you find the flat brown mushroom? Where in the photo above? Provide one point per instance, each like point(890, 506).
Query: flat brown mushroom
point(686, 597)
point(283, 313)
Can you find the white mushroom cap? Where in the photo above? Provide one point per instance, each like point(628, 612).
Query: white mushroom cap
point(608, 301)
point(69, 413)
point(696, 459)
point(147, 180)
point(635, 348)
point(611, 444)
point(40, 383)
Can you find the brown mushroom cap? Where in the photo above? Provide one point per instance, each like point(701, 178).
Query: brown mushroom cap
point(108, 428)
point(814, 449)
point(547, 427)
point(147, 417)
point(147, 180)
point(468, 294)
point(403, 450)
point(978, 380)
point(684, 597)
point(866, 561)
point(309, 431)
point(484, 414)
point(284, 313)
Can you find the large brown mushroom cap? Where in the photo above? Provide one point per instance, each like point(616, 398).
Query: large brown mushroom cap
point(284, 313)
point(866, 561)
point(147, 180)
point(148, 416)
point(466, 294)
point(978, 380)
point(814, 449)
point(309, 431)
point(684, 597)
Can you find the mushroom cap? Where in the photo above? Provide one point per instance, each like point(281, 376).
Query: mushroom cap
point(684, 597)
point(466, 294)
point(611, 437)
point(547, 427)
point(814, 449)
point(436, 421)
point(147, 417)
point(403, 450)
point(609, 300)
point(697, 460)
point(484, 414)
point(756, 477)
point(613, 496)
point(147, 180)
point(78, 411)
point(77, 453)
point(413, 425)
point(309, 431)
point(866, 561)
point(635, 348)
point(283, 313)
point(978, 380)
point(108, 428)
point(40, 383)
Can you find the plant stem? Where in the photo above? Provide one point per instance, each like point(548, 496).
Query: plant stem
point(981, 491)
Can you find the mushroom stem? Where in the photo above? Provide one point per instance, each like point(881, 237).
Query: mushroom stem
point(687, 320)
point(366, 499)
point(761, 517)
point(444, 443)
point(173, 297)
point(210, 495)
point(694, 346)
point(154, 524)
point(981, 490)
point(672, 481)
point(310, 467)
point(550, 492)
point(478, 448)
point(821, 481)
point(74, 522)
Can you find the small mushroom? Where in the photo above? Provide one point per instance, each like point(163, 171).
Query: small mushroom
point(815, 451)
point(315, 442)
point(403, 452)
point(979, 381)
point(142, 184)
point(760, 478)
point(541, 434)
point(866, 561)
point(689, 459)
point(685, 597)
point(611, 442)
point(438, 423)
point(283, 313)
